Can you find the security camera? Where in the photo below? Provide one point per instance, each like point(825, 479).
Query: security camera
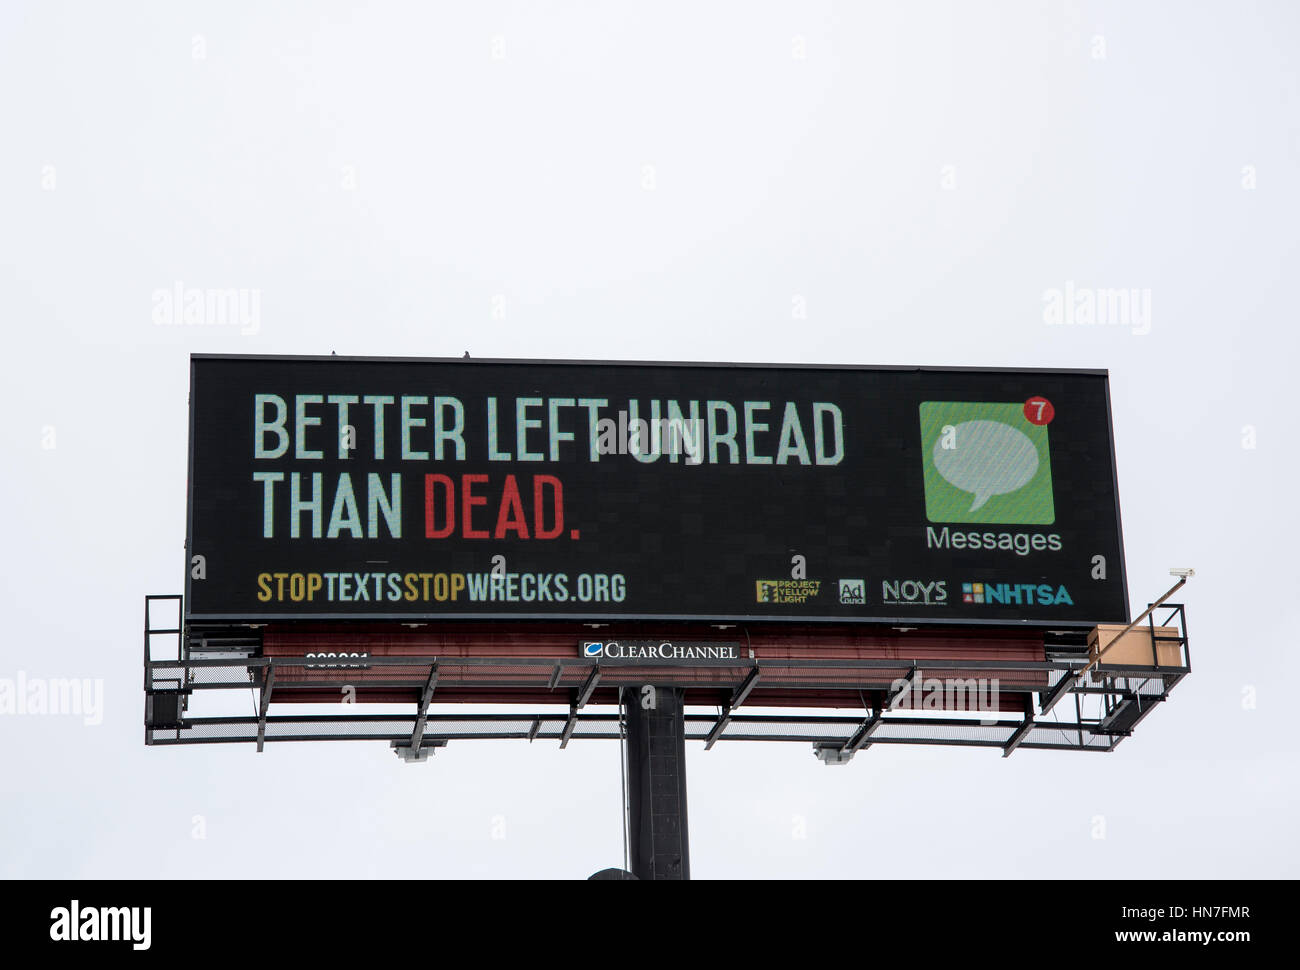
point(1183, 573)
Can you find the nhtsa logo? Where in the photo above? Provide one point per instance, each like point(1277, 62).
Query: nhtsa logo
point(1015, 594)
point(661, 651)
point(103, 924)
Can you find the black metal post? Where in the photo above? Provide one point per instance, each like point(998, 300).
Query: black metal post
point(656, 768)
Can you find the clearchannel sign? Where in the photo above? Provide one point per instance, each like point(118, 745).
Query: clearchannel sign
point(693, 652)
point(422, 489)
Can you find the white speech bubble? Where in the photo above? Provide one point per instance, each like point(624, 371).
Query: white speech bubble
point(987, 458)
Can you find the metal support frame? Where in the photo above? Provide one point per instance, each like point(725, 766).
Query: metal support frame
point(861, 738)
point(737, 698)
point(588, 687)
point(1070, 681)
point(1109, 699)
point(716, 731)
point(569, 725)
point(1018, 736)
point(422, 711)
point(268, 684)
point(165, 697)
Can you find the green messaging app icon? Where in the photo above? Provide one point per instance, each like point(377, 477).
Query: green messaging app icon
point(987, 462)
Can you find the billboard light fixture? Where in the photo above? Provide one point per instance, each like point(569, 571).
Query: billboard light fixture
point(417, 755)
point(832, 754)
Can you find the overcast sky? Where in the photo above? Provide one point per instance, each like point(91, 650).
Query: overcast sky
point(875, 183)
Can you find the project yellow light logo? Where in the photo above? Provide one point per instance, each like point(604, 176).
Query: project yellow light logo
point(786, 590)
point(987, 462)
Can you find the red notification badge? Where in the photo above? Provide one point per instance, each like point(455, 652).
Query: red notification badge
point(1039, 410)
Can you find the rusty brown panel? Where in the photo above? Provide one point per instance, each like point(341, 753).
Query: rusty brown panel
point(938, 652)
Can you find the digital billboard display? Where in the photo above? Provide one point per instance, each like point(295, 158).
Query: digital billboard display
point(414, 489)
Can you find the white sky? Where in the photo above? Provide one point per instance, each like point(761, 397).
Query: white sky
point(659, 181)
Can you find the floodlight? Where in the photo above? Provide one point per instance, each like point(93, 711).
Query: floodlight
point(832, 754)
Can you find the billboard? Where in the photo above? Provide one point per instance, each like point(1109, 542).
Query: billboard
point(417, 489)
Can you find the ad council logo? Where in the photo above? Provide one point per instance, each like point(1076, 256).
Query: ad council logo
point(853, 592)
point(987, 462)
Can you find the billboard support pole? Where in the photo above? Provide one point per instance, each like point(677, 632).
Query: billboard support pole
point(656, 773)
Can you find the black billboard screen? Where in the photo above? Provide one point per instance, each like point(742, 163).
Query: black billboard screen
point(419, 489)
